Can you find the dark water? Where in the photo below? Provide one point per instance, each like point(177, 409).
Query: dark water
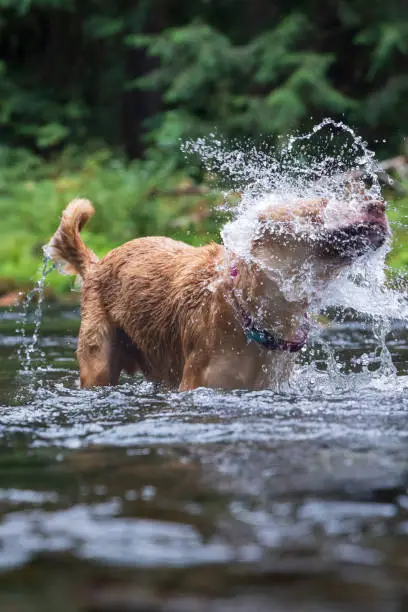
point(137, 499)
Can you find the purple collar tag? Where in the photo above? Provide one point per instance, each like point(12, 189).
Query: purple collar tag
point(234, 270)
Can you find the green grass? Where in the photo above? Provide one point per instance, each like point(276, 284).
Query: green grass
point(398, 216)
point(132, 199)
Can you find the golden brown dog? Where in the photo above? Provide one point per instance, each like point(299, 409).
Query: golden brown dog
point(207, 316)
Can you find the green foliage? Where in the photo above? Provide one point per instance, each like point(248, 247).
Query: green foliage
point(388, 40)
point(76, 71)
point(131, 200)
point(398, 216)
point(263, 87)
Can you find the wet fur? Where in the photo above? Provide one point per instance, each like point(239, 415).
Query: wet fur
point(163, 307)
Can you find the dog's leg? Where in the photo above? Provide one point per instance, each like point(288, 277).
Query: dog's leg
point(98, 354)
point(223, 370)
point(98, 363)
point(128, 355)
point(193, 373)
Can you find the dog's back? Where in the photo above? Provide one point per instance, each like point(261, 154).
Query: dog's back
point(144, 304)
point(148, 288)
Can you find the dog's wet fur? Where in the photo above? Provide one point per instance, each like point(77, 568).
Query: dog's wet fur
point(169, 310)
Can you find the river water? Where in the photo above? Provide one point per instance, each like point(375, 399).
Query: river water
point(139, 499)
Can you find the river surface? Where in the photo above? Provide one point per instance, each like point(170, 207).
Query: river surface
point(138, 499)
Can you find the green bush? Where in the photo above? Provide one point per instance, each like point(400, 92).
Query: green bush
point(72, 71)
point(398, 217)
point(131, 199)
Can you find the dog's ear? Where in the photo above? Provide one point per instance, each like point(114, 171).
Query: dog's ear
point(300, 210)
point(272, 225)
point(276, 214)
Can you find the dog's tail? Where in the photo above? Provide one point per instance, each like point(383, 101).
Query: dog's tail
point(66, 246)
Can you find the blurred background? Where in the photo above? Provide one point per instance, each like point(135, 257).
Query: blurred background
point(96, 96)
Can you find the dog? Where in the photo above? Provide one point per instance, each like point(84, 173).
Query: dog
point(207, 316)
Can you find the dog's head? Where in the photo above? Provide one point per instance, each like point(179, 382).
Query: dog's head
point(321, 234)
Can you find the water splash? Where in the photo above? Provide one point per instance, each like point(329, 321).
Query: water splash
point(331, 162)
point(30, 355)
point(312, 164)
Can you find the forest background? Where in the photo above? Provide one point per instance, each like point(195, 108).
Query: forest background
point(96, 96)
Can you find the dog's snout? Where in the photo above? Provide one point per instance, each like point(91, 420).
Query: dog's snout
point(374, 212)
point(376, 207)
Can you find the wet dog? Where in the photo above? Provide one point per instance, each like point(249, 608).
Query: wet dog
point(209, 316)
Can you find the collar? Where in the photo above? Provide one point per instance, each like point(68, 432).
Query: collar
point(265, 338)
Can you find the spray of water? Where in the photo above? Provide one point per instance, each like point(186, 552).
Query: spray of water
point(330, 162)
point(31, 357)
